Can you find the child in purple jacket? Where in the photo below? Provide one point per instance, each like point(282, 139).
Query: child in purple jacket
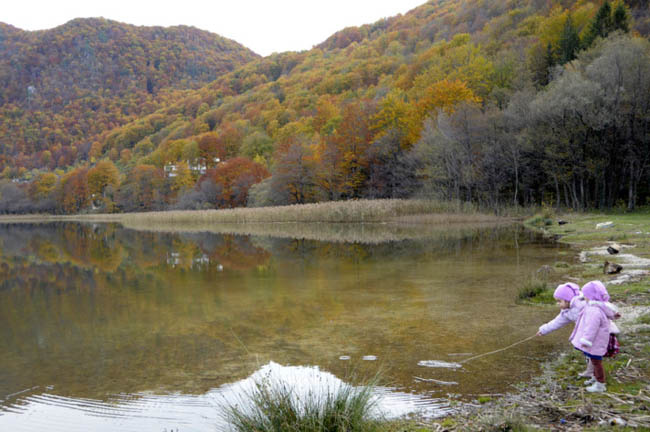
point(571, 303)
point(591, 333)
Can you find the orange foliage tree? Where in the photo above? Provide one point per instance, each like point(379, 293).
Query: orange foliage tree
point(353, 136)
point(142, 189)
point(235, 177)
point(74, 194)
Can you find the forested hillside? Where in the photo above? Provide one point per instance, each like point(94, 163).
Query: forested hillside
point(62, 88)
point(517, 102)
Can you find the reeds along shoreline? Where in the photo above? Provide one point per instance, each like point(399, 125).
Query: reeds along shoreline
point(356, 211)
point(412, 211)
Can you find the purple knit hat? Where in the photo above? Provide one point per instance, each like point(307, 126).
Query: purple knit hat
point(566, 291)
point(595, 290)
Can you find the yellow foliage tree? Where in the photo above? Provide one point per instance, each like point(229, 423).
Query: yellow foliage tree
point(183, 179)
point(398, 114)
point(103, 174)
point(445, 95)
point(42, 186)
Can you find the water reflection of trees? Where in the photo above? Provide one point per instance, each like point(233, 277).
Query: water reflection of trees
point(133, 322)
point(106, 247)
point(56, 250)
point(443, 241)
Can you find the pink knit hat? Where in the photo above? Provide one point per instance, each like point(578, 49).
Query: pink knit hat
point(566, 291)
point(595, 290)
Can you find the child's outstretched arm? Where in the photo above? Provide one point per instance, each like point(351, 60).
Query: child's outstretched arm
point(556, 323)
point(614, 314)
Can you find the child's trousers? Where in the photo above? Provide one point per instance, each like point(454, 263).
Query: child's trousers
point(599, 373)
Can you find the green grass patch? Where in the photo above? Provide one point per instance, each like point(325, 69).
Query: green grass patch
point(505, 422)
point(624, 290)
point(643, 319)
point(539, 221)
point(274, 407)
point(581, 228)
point(402, 426)
point(536, 291)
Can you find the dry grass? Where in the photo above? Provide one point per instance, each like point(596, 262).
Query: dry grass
point(362, 221)
point(358, 211)
point(353, 211)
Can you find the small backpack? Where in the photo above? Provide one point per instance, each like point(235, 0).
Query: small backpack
point(613, 347)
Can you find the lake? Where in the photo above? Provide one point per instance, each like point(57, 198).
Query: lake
point(106, 328)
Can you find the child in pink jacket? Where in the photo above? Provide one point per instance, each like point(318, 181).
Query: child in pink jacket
point(591, 333)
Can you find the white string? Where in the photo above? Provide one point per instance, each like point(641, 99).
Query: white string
point(496, 351)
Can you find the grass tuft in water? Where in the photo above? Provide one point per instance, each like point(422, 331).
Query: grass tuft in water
point(533, 288)
point(274, 407)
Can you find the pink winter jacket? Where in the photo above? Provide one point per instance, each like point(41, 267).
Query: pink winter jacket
point(591, 333)
point(565, 316)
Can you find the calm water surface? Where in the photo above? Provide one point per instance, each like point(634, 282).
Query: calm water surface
point(104, 328)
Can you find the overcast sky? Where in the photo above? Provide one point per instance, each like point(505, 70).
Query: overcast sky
point(263, 26)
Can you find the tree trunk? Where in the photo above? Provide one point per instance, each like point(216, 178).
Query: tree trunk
point(574, 195)
point(630, 189)
point(557, 191)
point(516, 181)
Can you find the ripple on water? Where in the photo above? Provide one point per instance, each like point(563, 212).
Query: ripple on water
point(188, 413)
point(439, 364)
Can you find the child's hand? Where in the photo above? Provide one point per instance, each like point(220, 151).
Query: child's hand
point(617, 316)
point(539, 333)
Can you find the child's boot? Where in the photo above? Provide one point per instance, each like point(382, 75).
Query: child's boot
point(589, 372)
point(597, 387)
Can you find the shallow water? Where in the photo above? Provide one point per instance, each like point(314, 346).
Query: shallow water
point(104, 328)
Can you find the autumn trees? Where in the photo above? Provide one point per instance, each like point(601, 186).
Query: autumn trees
point(581, 143)
point(462, 101)
point(59, 92)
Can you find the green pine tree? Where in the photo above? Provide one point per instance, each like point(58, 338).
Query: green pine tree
point(621, 18)
point(549, 60)
point(600, 26)
point(569, 42)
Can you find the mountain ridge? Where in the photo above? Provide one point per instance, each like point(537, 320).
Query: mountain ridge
point(95, 65)
point(344, 103)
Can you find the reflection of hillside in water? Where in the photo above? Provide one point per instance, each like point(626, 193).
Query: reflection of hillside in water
point(136, 322)
point(366, 233)
point(107, 247)
point(440, 240)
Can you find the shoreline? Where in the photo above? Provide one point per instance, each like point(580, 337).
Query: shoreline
point(555, 399)
point(407, 211)
point(361, 221)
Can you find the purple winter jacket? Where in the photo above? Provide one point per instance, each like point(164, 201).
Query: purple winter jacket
point(591, 333)
point(576, 305)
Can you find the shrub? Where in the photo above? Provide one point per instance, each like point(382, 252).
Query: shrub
point(275, 407)
point(532, 288)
